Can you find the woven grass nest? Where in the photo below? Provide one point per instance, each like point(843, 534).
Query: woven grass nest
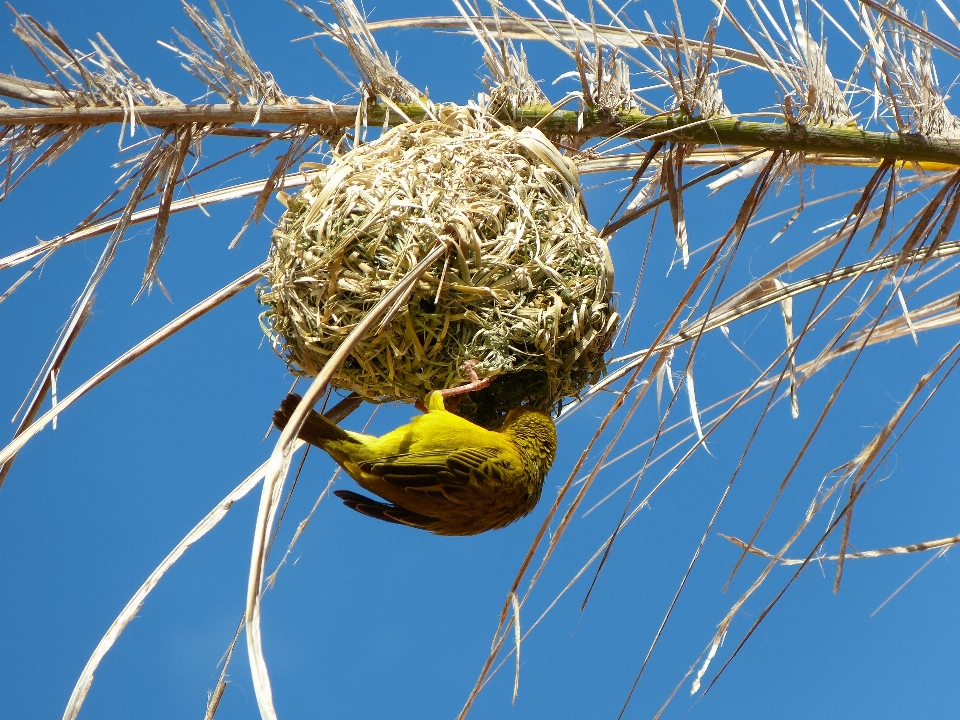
point(524, 290)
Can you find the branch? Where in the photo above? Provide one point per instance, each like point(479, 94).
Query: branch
point(849, 142)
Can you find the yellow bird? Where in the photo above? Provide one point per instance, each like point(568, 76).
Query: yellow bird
point(440, 472)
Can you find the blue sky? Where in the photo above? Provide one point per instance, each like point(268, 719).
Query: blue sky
point(370, 620)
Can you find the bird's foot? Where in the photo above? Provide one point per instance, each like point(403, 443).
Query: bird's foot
point(476, 383)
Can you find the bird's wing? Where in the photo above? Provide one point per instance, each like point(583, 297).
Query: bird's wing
point(383, 511)
point(427, 471)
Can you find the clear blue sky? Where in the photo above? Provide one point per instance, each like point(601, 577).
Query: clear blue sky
point(369, 620)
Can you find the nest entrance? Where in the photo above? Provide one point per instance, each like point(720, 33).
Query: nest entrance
point(524, 290)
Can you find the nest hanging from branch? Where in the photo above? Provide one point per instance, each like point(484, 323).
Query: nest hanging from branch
point(524, 290)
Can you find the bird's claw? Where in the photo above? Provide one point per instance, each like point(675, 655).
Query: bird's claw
point(476, 383)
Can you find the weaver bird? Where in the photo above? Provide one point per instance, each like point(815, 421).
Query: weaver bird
point(440, 472)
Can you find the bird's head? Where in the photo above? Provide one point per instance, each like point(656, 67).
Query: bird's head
point(533, 431)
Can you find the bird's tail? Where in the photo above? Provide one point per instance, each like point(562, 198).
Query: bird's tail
point(316, 430)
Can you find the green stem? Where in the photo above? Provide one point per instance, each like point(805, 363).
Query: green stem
point(822, 140)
